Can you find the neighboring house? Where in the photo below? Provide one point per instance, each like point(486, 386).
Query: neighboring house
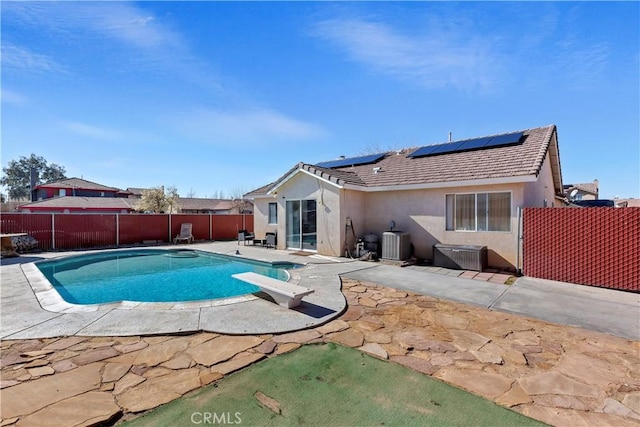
point(463, 192)
point(627, 203)
point(75, 195)
point(71, 204)
point(215, 206)
point(584, 191)
point(75, 187)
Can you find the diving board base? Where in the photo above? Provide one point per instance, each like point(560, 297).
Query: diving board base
point(283, 293)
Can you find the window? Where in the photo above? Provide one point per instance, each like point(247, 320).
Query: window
point(478, 212)
point(273, 213)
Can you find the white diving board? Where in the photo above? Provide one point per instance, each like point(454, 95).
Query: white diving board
point(284, 293)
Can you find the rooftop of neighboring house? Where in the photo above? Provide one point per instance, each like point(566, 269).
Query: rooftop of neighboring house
point(75, 202)
point(627, 203)
point(192, 203)
point(588, 187)
point(408, 167)
point(79, 183)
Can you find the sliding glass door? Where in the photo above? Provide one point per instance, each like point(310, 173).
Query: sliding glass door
point(301, 225)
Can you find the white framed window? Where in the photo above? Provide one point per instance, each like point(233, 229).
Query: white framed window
point(273, 213)
point(478, 211)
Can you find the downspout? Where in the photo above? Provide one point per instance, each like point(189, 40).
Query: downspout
point(518, 238)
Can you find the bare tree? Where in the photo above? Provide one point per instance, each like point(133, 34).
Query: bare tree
point(156, 200)
point(237, 199)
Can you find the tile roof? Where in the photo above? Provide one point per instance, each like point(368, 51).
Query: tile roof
point(77, 183)
point(205, 204)
point(75, 202)
point(395, 168)
point(587, 187)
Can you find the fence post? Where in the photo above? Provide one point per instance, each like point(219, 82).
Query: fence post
point(210, 227)
point(117, 230)
point(53, 231)
point(169, 227)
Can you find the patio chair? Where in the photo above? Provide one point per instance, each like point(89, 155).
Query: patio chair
point(185, 233)
point(271, 240)
point(245, 236)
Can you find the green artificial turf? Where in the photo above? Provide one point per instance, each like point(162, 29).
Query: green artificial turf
point(331, 385)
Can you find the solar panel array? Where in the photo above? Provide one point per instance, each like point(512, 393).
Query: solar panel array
point(352, 161)
point(469, 144)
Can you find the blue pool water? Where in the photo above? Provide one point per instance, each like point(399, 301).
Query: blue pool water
point(153, 275)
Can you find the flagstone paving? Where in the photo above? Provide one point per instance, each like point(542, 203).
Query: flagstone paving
point(561, 375)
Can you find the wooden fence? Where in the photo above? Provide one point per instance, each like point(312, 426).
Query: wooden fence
point(79, 231)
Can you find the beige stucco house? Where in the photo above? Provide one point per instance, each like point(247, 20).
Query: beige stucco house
point(463, 192)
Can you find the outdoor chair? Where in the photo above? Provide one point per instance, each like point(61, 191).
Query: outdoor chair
point(271, 240)
point(245, 236)
point(185, 233)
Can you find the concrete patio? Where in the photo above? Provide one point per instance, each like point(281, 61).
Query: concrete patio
point(60, 370)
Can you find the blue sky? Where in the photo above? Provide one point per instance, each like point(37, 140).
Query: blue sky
point(225, 97)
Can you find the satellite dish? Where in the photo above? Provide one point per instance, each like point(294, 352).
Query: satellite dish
point(573, 193)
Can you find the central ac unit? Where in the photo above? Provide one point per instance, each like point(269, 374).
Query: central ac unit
point(396, 245)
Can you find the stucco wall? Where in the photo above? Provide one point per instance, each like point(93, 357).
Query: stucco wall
point(418, 212)
point(304, 187)
point(422, 214)
point(537, 192)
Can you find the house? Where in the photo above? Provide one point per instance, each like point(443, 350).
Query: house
point(74, 187)
point(214, 206)
point(76, 195)
point(80, 204)
point(466, 192)
point(583, 191)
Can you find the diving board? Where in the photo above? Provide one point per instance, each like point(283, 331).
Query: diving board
point(284, 293)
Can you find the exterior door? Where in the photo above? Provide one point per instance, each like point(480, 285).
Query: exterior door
point(301, 225)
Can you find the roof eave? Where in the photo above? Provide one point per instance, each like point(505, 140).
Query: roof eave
point(301, 169)
point(445, 184)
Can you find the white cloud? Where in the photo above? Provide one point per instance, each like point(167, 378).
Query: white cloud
point(253, 126)
point(123, 32)
point(14, 98)
point(23, 60)
point(433, 60)
point(90, 131)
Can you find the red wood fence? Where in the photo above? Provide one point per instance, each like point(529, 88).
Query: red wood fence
point(77, 231)
point(589, 246)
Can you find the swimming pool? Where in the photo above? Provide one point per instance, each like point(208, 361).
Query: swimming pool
point(153, 275)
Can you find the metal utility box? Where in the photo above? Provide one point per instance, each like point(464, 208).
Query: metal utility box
point(464, 257)
point(396, 245)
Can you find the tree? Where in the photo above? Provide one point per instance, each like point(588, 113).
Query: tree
point(17, 175)
point(238, 201)
point(156, 200)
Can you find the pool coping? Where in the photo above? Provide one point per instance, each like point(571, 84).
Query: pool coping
point(36, 310)
point(51, 300)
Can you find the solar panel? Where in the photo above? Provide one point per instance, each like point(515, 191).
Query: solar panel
point(423, 151)
point(352, 161)
point(450, 147)
point(506, 139)
point(474, 144)
point(469, 144)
